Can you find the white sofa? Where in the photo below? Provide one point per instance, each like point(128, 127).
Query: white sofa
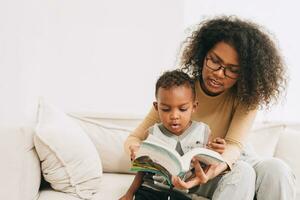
point(21, 171)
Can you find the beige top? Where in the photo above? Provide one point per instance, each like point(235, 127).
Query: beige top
point(225, 117)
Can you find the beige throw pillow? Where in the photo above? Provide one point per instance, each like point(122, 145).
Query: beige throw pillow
point(69, 160)
point(109, 140)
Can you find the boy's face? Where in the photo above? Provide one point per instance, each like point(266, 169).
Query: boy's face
point(175, 107)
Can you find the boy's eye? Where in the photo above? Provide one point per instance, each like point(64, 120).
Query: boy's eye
point(183, 109)
point(165, 109)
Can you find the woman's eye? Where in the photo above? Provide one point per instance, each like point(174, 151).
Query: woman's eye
point(233, 70)
point(215, 61)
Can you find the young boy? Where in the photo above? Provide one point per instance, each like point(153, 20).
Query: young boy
point(176, 101)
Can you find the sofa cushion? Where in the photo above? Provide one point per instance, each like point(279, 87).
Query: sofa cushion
point(49, 194)
point(109, 190)
point(109, 140)
point(69, 160)
point(287, 148)
point(112, 187)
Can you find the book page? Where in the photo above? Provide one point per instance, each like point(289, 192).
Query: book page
point(162, 155)
point(207, 156)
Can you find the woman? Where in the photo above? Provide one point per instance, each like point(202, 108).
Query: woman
point(238, 70)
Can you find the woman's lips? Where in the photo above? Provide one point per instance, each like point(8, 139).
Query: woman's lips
point(213, 83)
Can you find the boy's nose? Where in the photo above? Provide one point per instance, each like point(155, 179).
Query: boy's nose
point(174, 115)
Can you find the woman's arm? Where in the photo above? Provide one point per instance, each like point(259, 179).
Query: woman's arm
point(237, 133)
point(140, 133)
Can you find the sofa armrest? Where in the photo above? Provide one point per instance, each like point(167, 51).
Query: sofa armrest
point(20, 168)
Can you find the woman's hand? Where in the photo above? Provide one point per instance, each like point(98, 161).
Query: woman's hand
point(218, 144)
point(201, 176)
point(133, 149)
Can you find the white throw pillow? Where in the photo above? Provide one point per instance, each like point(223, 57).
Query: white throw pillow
point(109, 140)
point(69, 160)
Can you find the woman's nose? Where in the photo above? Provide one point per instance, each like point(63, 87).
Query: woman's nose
point(220, 72)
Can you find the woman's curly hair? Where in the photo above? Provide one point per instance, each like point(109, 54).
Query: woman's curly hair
point(262, 76)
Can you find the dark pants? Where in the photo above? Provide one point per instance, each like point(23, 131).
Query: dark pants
point(145, 193)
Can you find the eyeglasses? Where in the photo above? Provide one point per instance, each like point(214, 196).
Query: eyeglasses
point(232, 72)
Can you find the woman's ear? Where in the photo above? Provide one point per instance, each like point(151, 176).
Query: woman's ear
point(195, 105)
point(155, 105)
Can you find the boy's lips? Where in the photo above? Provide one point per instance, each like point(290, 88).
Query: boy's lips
point(175, 126)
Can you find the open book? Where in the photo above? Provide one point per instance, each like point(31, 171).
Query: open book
point(155, 156)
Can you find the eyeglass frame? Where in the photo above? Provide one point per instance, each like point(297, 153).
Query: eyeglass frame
point(224, 68)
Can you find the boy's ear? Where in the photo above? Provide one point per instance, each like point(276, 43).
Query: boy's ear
point(195, 105)
point(155, 105)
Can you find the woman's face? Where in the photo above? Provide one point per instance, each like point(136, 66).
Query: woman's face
point(215, 82)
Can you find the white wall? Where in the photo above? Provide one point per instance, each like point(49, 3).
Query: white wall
point(105, 55)
point(281, 20)
point(95, 56)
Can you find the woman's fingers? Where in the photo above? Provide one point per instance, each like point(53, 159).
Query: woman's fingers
point(218, 145)
point(200, 177)
point(200, 174)
point(220, 140)
point(178, 183)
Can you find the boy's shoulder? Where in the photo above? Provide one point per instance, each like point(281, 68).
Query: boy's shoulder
point(200, 124)
point(151, 128)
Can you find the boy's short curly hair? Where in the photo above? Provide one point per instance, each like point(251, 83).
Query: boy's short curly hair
point(176, 78)
point(262, 77)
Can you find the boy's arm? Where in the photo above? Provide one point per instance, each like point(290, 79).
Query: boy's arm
point(140, 133)
point(136, 183)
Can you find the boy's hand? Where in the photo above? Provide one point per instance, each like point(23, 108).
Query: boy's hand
point(218, 144)
point(133, 149)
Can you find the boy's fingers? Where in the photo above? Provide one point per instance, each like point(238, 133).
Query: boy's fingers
point(133, 149)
